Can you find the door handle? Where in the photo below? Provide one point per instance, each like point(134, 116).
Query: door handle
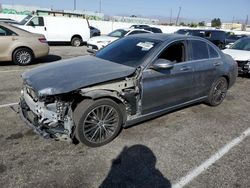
point(185, 68)
point(216, 64)
point(45, 28)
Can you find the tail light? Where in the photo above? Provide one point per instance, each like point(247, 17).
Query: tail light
point(43, 40)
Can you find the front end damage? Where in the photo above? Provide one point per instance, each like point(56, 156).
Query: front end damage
point(52, 116)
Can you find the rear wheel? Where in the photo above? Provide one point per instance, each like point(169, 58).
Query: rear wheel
point(22, 56)
point(76, 41)
point(217, 92)
point(97, 122)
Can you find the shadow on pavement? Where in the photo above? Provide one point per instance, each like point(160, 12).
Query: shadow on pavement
point(135, 167)
point(47, 59)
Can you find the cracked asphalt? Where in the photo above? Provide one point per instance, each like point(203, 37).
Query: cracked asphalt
point(155, 153)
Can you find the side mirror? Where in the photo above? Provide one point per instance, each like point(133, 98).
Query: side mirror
point(162, 64)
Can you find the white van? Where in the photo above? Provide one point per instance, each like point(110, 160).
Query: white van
point(58, 29)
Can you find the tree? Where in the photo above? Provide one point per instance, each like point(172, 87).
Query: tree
point(201, 24)
point(192, 24)
point(182, 24)
point(216, 22)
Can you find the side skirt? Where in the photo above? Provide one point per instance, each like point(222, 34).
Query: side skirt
point(151, 115)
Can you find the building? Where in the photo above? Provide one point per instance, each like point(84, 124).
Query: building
point(135, 20)
point(26, 10)
point(232, 26)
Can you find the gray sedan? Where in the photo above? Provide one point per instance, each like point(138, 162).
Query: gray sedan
point(91, 98)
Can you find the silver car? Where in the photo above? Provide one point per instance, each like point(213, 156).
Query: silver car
point(91, 98)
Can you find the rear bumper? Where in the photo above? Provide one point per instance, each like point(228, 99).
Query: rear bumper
point(42, 51)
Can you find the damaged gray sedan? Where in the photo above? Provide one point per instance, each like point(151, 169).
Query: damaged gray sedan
point(91, 98)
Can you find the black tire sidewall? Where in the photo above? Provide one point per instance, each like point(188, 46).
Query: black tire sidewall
point(210, 96)
point(76, 39)
point(85, 112)
point(15, 60)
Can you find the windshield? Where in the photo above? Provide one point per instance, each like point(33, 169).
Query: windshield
point(118, 33)
point(24, 21)
point(128, 51)
point(181, 31)
point(242, 44)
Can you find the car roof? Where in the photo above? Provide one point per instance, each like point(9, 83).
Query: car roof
point(165, 37)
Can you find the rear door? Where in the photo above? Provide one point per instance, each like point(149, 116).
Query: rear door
point(206, 62)
point(170, 87)
point(7, 38)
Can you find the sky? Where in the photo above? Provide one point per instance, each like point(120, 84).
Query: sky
point(226, 10)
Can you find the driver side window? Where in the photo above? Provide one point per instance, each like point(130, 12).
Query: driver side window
point(36, 21)
point(175, 52)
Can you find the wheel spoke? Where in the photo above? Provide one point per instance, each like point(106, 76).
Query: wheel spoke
point(100, 124)
point(95, 133)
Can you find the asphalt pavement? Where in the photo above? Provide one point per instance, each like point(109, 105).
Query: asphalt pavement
point(157, 153)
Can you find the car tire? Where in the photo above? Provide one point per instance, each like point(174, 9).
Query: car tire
point(97, 122)
point(76, 41)
point(22, 56)
point(221, 46)
point(217, 92)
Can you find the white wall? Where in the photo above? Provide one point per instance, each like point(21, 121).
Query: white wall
point(109, 26)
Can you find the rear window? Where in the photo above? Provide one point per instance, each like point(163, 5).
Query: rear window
point(119, 33)
point(212, 52)
point(6, 32)
point(199, 50)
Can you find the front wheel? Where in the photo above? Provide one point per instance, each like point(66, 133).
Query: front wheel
point(218, 92)
point(97, 122)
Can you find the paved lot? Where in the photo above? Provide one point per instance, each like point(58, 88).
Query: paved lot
point(156, 153)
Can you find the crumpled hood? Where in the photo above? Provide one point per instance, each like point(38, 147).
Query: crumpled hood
point(68, 75)
point(238, 55)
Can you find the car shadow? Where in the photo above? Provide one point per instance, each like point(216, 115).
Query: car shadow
point(64, 44)
point(135, 167)
point(47, 59)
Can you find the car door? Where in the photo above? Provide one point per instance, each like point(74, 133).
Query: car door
point(206, 61)
point(36, 25)
point(7, 37)
point(168, 87)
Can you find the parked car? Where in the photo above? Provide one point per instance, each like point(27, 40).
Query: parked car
point(20, 46)
point(139, 26)
point(183, 31)
point(153, 29)
point(231, 38)
point(94, 31)
point(58, 29)
point(240, 51)
point(217, 37)
point(133, 79)
point(96, 43)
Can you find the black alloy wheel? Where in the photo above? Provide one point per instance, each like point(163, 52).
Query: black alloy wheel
point(218, 92)
point(97, 122)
